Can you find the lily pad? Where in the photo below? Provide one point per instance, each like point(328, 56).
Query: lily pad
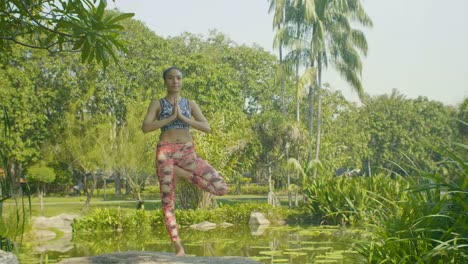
point(260, 258)
point(281, 260)
point(270, 253)
point(294, 254)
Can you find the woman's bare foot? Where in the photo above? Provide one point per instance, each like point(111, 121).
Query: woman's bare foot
point(179, 249)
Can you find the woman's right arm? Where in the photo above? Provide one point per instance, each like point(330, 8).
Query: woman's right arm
point(151, 122)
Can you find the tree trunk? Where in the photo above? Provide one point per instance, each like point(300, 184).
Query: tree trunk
point(319, 115)
point(89, 193)
point(311, 122)
point(283, 90)
point(289, 180)
point(118, 185)
point(298, 102)
point(272, 199)
point(296, 200)
point(105, 188)
point(40, 193)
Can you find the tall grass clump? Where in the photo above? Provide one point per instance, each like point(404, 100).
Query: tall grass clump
point(429, 224)
point(353, 200)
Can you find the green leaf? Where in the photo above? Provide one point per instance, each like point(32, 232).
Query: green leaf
point(113, 20)
point(100, 10)
point(85, 51)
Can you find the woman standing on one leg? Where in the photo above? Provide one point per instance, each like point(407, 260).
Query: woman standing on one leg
point(175, 152)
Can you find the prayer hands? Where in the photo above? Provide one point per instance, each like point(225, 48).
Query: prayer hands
point(176, 111)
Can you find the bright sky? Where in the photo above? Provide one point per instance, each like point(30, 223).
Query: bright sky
point(419, 47)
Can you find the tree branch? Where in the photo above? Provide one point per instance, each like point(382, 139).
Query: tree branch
point(41, 25)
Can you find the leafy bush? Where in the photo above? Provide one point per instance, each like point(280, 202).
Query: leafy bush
point(117, 219)
point(250, 189)
point(430, 225)
point(352, 200)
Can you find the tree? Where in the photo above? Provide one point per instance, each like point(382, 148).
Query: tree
point(86, 145)
point(59, 26)
point(406, 133)
point(131, 152)
point(41, 174)
point(463, 121)
point(326, 27)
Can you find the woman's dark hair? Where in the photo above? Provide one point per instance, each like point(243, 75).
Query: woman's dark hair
point(166, 71)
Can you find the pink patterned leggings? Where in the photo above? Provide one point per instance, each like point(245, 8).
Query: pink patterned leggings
point(204, 176)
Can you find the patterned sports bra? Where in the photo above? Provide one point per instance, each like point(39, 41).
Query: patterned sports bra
point(166, 111)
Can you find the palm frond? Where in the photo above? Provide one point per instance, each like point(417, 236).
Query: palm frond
point(308, 78)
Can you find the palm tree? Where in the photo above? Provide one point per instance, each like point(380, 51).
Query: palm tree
point(289, 31)
point(326, 27)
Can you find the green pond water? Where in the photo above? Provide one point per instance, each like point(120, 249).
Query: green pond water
point(275, 244)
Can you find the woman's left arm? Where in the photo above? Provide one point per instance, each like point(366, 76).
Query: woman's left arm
point(199, 121)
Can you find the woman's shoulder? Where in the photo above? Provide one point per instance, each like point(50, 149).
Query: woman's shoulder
point(156, 104)
point(191, 102)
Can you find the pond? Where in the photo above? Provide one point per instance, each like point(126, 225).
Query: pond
point(274, 244)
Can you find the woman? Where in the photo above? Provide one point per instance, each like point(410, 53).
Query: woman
point(175, 152)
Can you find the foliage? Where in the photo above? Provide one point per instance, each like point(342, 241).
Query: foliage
point(398, 128)
point(250, 189)
point(353, 200)
point(41, 173)
point(319, 34)
point(59, 26)
point(13, 224)
point(429, 226)
point(117, 219)
point(343, 143)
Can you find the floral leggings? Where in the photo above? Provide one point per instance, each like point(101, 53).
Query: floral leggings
point(204, 176)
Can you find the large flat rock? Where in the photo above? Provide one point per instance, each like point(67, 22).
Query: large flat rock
point(144, 257)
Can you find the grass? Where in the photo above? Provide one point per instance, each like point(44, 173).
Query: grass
point(55, 205)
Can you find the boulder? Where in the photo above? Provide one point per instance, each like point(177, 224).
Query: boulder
point(62, 244)
point(204, 226)
point(257, 218)
point(225, 224)
point(143, 257)
point(8, 258)
point(257, 230)
point(43, 233)
point(62, 222)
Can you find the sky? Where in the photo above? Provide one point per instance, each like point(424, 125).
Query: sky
point(418, 47)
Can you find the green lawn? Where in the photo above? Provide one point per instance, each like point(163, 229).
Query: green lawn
point(54, 205)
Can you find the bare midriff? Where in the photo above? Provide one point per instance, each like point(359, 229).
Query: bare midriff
point(176, 136)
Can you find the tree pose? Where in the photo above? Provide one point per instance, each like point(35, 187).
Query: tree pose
point(175, 153)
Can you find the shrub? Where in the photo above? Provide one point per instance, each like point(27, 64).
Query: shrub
point(352, 200)
point(430, 225)
point(252, 189)
point(117, 219)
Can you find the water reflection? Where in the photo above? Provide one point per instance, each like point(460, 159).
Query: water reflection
point(274, 244)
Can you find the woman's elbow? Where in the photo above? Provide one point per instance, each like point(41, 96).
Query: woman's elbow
point(145, 129)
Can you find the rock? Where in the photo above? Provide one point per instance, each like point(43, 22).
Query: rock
point(204, 226)
point(258, 219)
point(257, 230)
point(143, 257)
point(225, 224)
point(44, 235)
point(280, 222)
point(43, 231)
point(258, 223)
point(7, 258)
point(62, 244)
point(62, 222)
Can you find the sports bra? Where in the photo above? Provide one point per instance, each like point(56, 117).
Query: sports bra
point(166, 111)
